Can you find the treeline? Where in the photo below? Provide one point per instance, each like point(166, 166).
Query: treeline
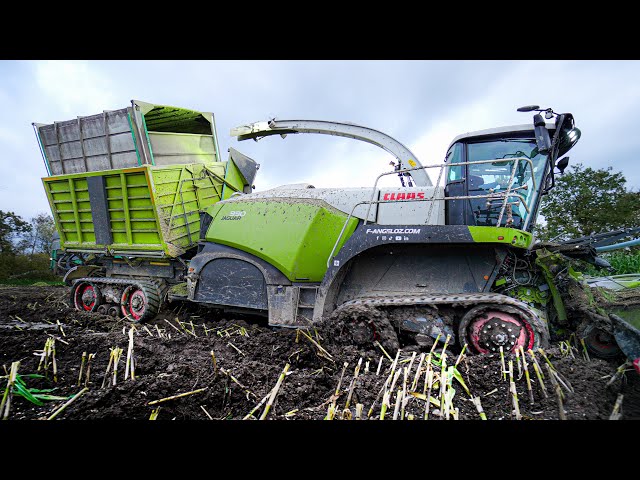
point(587, 201)
point(584, 201)
point(25, 248)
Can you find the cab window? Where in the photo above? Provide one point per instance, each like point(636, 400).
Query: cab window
point(454, 155)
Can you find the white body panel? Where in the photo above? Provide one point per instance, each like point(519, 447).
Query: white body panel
point(397, 211)
point(403, 212)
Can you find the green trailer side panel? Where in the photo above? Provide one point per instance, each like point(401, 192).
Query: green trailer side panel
point(182, 192)
point(152, 210)
point(296, 236)
point(131, 211)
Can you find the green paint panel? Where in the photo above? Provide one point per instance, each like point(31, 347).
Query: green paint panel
point(511, 236)
point(294, 235)
point(152, 209)
point(233, 178)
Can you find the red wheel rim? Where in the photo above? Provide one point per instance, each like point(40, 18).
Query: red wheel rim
point(493, 329)
point(85, 298)
point(134, 304)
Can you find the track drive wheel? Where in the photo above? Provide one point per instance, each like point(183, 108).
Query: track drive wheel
point(140, 302)
point(487, 328)
point(86, 297)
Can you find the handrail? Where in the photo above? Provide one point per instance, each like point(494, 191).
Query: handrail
point(491, 195)
point(443, 166)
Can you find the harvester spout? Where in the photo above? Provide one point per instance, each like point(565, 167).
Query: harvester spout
point(406, 159)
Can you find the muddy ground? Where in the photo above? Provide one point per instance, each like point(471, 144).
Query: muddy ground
point(172, 356)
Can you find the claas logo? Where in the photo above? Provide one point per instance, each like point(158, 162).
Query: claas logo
point(404, 196)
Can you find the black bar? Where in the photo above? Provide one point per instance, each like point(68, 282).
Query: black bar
point(99, 210)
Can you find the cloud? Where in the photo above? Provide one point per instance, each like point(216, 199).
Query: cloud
point(423, 104)
point(75, 88)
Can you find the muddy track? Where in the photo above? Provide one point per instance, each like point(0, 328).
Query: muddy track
point(172, 356)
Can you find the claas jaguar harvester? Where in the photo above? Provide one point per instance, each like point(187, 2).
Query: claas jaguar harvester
point(149, 212)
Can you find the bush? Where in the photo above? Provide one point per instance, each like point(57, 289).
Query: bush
point(26, 269)
point(625, 262)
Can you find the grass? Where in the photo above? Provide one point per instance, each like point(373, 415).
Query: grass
point(24, 282)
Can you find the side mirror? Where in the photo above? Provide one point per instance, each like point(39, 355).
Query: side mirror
point(542, 134)
point(562, 164)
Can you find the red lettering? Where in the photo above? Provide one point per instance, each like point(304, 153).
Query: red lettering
point(421, 195)
point(386, 196)
point(401, 196)
point(393, 196)
point(411, 196)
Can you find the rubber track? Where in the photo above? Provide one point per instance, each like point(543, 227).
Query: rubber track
point(150, 289)
point(459, 299)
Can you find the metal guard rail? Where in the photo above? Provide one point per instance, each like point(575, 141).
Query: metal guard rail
point(503, 196)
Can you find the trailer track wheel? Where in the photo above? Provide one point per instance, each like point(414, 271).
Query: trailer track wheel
point(86, 297)
point(486, 329)
point(140, 302)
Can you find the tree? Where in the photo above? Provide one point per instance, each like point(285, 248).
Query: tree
point(39, 238)
point(11, 225)
point(586, 201)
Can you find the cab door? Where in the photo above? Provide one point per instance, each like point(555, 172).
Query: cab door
point(456, 211)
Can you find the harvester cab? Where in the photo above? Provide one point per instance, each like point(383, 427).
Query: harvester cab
point(511, 167)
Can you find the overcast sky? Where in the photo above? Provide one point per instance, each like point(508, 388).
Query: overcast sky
point(423, 104)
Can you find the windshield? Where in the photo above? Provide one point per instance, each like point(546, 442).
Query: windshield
point(496, 175)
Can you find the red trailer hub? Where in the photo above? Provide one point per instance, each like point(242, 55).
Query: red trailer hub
point(86, 297)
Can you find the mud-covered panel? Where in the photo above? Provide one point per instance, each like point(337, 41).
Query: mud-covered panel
point(419, 270)
point(143, 269)
point(232, 282)
point(212, 251)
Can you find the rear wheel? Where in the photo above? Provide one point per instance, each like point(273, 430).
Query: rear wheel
point(602, 344)
point(86, 297)
point(140, 302)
